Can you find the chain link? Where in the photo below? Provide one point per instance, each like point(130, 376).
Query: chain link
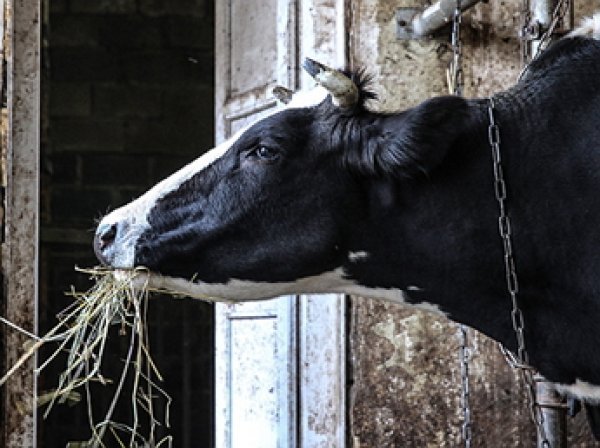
point(512, 283)
point(465, 358)
point(525, 32)
point(531, 31)
point(455, 70)
point(559, 13)
point(528, 32)
point(455, 87)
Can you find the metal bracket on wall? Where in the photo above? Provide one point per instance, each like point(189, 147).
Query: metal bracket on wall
point(417, 23)
point(404, 23)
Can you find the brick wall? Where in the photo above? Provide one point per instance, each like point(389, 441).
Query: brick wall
point(129, 93)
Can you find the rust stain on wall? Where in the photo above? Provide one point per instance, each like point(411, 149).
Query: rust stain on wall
point(405, 366)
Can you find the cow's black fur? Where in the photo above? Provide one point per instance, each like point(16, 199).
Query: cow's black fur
point(417, 195)
point(415, 191)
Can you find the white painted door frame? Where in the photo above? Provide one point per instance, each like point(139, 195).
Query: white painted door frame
point(300, 340)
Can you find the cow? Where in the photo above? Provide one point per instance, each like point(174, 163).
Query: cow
point(327, 196)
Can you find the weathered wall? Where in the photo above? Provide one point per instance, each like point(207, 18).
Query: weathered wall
point(129, 86)
point(405, 369)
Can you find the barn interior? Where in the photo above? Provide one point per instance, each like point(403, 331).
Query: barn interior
point(128, 98)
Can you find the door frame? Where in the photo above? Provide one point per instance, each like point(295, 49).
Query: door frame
point(306, 28)
point(21, 149)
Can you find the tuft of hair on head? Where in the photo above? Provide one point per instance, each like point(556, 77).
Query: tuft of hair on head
point(364, 82)
point(590, 27)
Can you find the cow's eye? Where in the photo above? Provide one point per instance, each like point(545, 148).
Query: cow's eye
point(264, 153)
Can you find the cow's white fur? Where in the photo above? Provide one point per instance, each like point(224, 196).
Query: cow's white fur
point(358, 256)
point(590, 393)
point(590, 27)
point(135, 217)
point(392, 295)
point(236, 290)
point(243, 290)
point(132, 219)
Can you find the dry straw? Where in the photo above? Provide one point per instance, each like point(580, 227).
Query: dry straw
point(117, 297)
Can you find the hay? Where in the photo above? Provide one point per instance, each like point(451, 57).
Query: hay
point(118, 297)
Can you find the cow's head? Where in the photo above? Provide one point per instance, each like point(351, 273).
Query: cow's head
point(268, 211)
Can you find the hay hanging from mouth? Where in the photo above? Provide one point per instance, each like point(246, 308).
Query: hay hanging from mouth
point(117, 298)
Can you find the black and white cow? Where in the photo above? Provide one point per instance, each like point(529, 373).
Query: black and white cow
point(327, 196)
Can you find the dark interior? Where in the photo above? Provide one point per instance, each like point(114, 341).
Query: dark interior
point(128, 98)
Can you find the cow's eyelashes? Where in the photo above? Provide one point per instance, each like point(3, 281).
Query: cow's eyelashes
point(265, 153)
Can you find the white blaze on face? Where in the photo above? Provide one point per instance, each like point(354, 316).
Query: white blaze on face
point(132, 219)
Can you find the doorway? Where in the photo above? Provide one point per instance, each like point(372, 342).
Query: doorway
point(128, 98)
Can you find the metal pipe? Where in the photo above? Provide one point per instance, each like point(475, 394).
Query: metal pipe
point(554, 411)
point(541, 11)
point(435, 17)
point(438, 15)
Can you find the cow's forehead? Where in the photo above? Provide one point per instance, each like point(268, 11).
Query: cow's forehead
point(135, 214)
point(308, 98)
point(300, 100)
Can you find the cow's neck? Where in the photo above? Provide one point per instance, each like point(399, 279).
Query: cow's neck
point(432, 248)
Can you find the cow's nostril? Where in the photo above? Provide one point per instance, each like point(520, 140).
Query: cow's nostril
point(106, 235)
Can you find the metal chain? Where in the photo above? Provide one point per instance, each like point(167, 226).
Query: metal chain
point(512, 283)
point(521, 360)
point(525, 33)
point(455, 86)
point(455, 71)
point(559, 13)
point(465, 358)
point(531, 31)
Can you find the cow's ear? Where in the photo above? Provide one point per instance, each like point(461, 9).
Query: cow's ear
point(415, 142)
point(283, 94)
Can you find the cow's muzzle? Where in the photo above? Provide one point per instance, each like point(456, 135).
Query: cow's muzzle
point(103, 240)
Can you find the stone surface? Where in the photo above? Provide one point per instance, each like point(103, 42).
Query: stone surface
point(405, 370)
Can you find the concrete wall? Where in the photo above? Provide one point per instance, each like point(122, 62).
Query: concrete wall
point(129, 99)
point(405, 370)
